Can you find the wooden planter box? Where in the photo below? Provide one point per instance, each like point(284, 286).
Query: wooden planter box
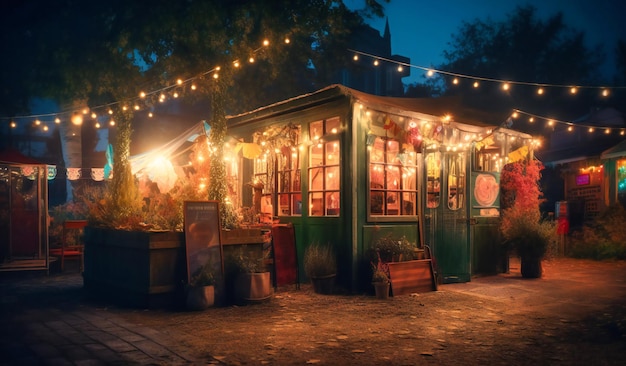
point(135, 268)
point(242, 236)
point(412, 277)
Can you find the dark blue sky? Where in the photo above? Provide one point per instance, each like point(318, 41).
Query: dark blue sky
point(422, 29)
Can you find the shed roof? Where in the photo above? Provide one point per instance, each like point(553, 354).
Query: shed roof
point(437, 107)
point(14, 157)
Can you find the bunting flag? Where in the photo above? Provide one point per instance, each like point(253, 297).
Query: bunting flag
point(52, 172)
point(487, 141)
point(73, 173)
point(518, 154)
point(391, 126)
point(108, 167)
point(249, 150)
point(97, 174)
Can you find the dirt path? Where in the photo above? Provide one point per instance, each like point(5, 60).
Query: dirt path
point(575, 315)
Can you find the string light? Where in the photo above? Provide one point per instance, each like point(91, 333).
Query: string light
point(143, 95)
point(570, 126)
point(605, 91)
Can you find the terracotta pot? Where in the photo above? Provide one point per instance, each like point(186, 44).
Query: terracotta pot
point(382, 290)
point(200, 298)
point(323, 284)
point(531, 267)
point(253, 287)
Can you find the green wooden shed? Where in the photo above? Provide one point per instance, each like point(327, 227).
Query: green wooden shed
point(346, 168)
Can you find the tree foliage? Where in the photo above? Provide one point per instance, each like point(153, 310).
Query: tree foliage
point(523, 48)
point(107, 52)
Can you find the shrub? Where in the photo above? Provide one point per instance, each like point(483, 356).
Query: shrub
point(602, 238)
point(319, 260)
point(390, 249)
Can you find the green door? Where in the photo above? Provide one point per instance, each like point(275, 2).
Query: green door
point(446, 221)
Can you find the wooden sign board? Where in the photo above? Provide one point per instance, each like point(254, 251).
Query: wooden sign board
point(202, 237)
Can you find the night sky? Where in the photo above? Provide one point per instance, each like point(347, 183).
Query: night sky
point(422, 29)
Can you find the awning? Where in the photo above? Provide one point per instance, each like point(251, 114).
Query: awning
point(616, 151)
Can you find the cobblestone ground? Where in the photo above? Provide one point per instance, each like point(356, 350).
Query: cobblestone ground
point(574, 315)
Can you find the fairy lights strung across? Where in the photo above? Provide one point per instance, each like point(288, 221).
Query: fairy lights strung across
point(569, 126)
point(144, 100)
point(605, 91)
point(506, 85)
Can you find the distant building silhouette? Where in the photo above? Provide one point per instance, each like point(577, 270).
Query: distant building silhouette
point(383, 79)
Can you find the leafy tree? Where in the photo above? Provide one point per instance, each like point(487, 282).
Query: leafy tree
point(521, 48)
point(107, 52)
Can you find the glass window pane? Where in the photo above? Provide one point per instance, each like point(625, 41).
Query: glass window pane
point(332, 203)
point(297, 204)
point(376, 202)
point(393, 147)
point(433, 174)
point(332, 153)
point(332, 178)
point(316, 204)
point(316, 130)
point(317, 179)
point(393, 177)
point(333, 125)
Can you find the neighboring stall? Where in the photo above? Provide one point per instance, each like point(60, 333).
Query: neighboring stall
point(345, 168)
point(23, 212)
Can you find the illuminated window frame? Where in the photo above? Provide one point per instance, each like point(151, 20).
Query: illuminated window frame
point(324, 168)
point(393, 176)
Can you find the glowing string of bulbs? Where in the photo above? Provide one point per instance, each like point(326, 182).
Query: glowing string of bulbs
point(506, 84)
point(76, 117)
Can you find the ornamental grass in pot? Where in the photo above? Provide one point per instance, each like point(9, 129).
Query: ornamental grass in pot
point(320, 266)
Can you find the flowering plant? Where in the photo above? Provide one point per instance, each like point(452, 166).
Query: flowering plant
point(380, 271)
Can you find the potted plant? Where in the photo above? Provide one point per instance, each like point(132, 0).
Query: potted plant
point(406, 273)
point(523, 230)
point(380, 278)
point(320, 265)
point(248, 279)
point(529, 238)
point(201, 288)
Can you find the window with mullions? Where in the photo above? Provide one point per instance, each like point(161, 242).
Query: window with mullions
point(289, 187)
point(261, 176)
point(393, 179)
point(456, 180)
point(324, 173)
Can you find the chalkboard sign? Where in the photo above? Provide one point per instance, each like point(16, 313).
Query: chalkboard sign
point(202, 237)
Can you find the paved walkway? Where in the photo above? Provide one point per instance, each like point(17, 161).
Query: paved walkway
point(45, 321)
